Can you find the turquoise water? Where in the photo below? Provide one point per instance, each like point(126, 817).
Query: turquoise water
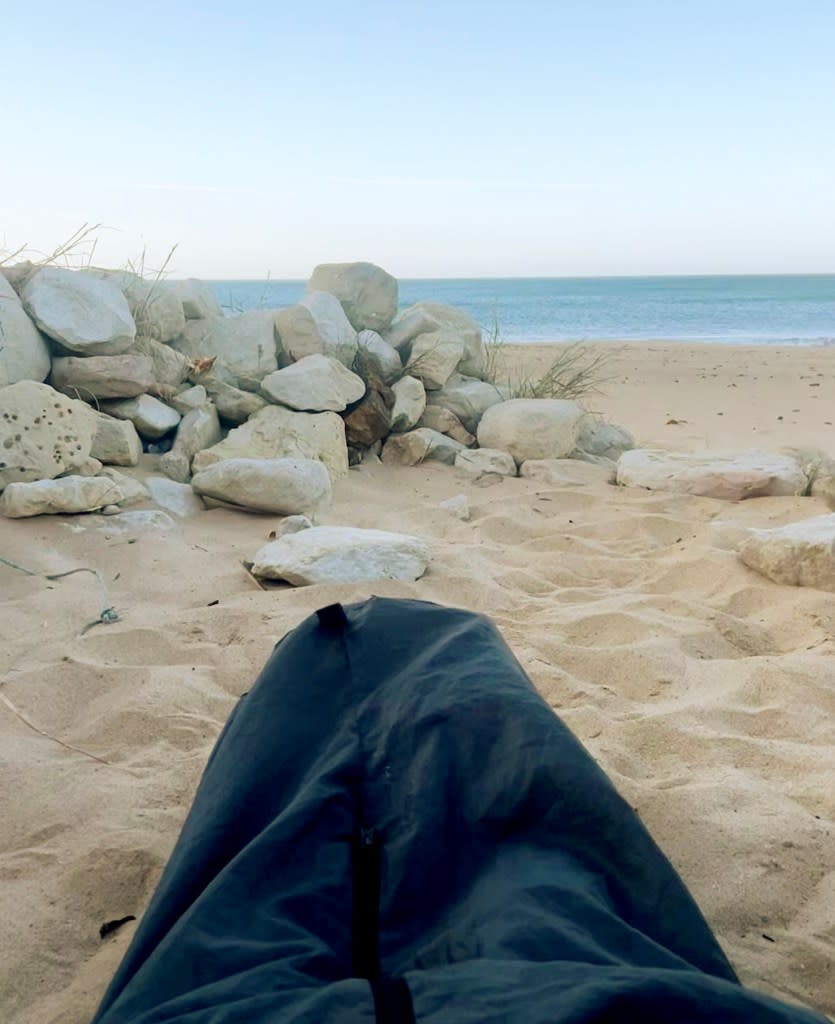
point(762, 309)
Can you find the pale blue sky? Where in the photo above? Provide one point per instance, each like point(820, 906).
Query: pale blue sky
point(568, 137)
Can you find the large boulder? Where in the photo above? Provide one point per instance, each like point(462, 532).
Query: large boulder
point(156, 309)
point(42, 433)
point(297, 332)
point(366, 292)
point(102, 376)
point(115, 442)
point(409, 404)
point(801, 554)
point(339, 339)
point(424, 317)
point(341, 554)
point(531, 428)
point(281, 486)
point(245, 346)
point(151, 417)
point(314, 384)
point(196, 297)
point(69, 494)
point(275, 432)
point(198, 429)
point(420, 445)
point(84, 314)
point(728, 475)
point(169, 367)
point(378, 354)
point(434, 357)
point(468, 398)
point(24, 352)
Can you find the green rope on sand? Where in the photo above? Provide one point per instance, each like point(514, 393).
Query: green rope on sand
point(20, 568)
point(108, 614)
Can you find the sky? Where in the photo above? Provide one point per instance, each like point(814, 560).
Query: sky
point(437, 139)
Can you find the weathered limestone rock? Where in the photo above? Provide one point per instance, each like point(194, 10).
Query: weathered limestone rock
point(434, 358)
point(801, 554)
point(24, 353)
point(425, 317)
point(196, 297)
point(42, 433)
point(565, 472)
point(366, 292)
point(168, 366)
point(478, 461)
point(198, 429)
point(115, 442)
point(459, 506)
point(151, 417)
point(314, 384)
point(232, 403)
point(297, 332)
point(419, 446)
point(275, 432)
point(84, 314)
point(384, 359)
point(338, 337)
point(293, 524)
point(90, 467)
point(531, 428)
point(193, 398)
point(245, 346)
point(178, 498)
point(445, 422)
point(340, 554)
point(468, 399)
point(68, 494)
point(132, 489)
point(409, 404)
point(730, 475)
point(157, 311)
point(601, 440)
point(283, 486)
point(102, 376)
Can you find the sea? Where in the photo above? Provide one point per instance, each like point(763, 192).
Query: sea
point(796, 309)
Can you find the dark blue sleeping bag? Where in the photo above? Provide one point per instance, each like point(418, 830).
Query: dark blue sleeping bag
point(395, 827)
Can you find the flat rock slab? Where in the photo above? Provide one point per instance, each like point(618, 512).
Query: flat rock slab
point(478, 461)
point(564, 472)
point(315, 383)
point(69, 494)
point(102, 376)
point(341, 554)
point(281, 486)
point(151, 417)
point(531, 428)
point(800, 554)
point(180, 499)
point(731, 476)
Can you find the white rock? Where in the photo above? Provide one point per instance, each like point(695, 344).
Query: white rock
point(598, 438)
point(198, 429)
point(151, 417)
point(168, 366)
point(478, 461)
point(275, 432)
point(245, 346)
point(340, 554)
point(174, 497)
point(729, 475)
point(192, 398)
point(297, 332)
point(138, 521)
point(409, 404)
point(366, 292)
point(420, 445)
point(157, 311)
point(24, 353)
point(90, 467)
point(459, 506)
point(339, 339)
point(232, 403)
point(801, 554)
point(434, 358)
point(115, 442)
point(432, 316)
point(384, 359)
point(293, 524)
point(468, 399)
point(197, 298)
point(314, 384)
point(94, 377)
point(445, 422)
point(531, 428)
point(564, 472)
point(42, 433)
point(283, 486)
point(132, 489)
point(68, 494)
point(84, 314)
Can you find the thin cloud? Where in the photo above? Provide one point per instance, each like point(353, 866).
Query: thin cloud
point(164, 187)
point(463, 183)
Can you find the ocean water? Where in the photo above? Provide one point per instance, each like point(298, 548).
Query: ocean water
point(757, 309)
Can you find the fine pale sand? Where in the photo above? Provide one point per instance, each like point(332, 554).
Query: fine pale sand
point(705, 691)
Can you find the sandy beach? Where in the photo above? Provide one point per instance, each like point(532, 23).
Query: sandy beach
point(704, 690)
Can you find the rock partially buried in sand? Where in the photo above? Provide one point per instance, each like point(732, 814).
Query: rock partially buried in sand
point(283, 486)
point(478, 461)
point(565, 472)
point(800, 554)
point(531, 428)
point(731, 475)
point(419, 446)
point(69, 494)
point(341, 554)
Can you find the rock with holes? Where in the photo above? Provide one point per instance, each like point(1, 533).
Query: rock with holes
point(275, 432)
point(420, 445)
point(341, 554)
point(531, 428)
point(314, 384)
point(245, 347)
point(282, 486)
point(196, 298)
point(338, 337)
point(151, 417)
point(42, 433)
point(102, 376)
point(24, 353)
point(800, 554)
point(367, 294)
point(409, 404)
point(68, 494)
point(479, 461)
point(198, 429)
point(728, 475)
point(115, 442)
point(84, 314)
